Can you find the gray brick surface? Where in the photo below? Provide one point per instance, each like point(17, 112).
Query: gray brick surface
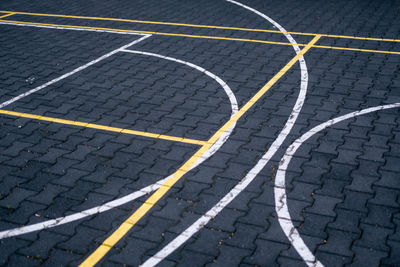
point(342, 184)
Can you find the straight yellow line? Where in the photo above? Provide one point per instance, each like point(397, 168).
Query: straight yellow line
point(121, 231)
point(202, 26)
point(103, 127)
point(6, 15)
point(149, 32)
point(357, 49)
point(199, 36)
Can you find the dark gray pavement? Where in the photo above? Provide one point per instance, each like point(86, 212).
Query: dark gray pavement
point(342, 184)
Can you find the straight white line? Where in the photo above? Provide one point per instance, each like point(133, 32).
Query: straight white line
point(281, 205)
point(34, 90)
point(69, 28)
point(214, 211)
point(118, 202)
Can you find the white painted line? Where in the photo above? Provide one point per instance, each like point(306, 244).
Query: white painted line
point(214, 211)
point(80, 215)
point(34, 90)
point(69, 28)
point(123, 200)
point(281, 205)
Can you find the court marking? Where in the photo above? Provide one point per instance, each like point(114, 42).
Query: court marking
point(123, 229)
point(103, 127)
point(69, 28)
point(228, 91)
point(201, 26)
point(363, 50)
point(281, 205)
point(122, 31)
point(7, 15)
point(123, 200)
point(357, 49)
point(36, 89)
point(143, 32)
point(251, 175)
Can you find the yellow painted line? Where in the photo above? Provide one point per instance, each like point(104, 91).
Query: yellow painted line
point(203, 26)
point(199, 36)
point(121, 231)
point(149, 32)
point(6, 15)
point(357, 49)
point(103, 127)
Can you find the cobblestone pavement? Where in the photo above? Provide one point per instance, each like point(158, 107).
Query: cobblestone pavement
point(96, 111)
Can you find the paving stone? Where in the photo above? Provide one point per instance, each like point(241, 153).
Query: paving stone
point(208, 241)
point(385, 197)
point(9, 246)
point(314, 225)
point(393, 258)
point(374, 237)
point(18, 260)
point(342, 183)
point(226, 219)
point(125, 255)
point(79, 243)
point(244, 236)
point(262, 256)
point(324, 205)
point(154, 230)
point(189, 258)
point(355, 201)
point(290, 262)
point(302, 191)
point(338, 242)
point(365, 256)
point(230, 255)
point(347, 220)
point(332, 259)
point(380, 215)
point(42, 247)
point(16, 197)
point(48, 194)
point(362, 183)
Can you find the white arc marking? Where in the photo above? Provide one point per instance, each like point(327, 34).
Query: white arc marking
point(203, 220)
point(34, 90)
point(281, 205)
point(118, 202)
point(226, 88)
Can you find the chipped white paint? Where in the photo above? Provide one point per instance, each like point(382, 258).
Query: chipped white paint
point(281, 205)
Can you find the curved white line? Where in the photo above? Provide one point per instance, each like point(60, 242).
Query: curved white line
point(281, 206)
point(203, 220)
point(147, 189)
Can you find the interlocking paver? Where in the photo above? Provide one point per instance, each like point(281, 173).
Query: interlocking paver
point(342, 183)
